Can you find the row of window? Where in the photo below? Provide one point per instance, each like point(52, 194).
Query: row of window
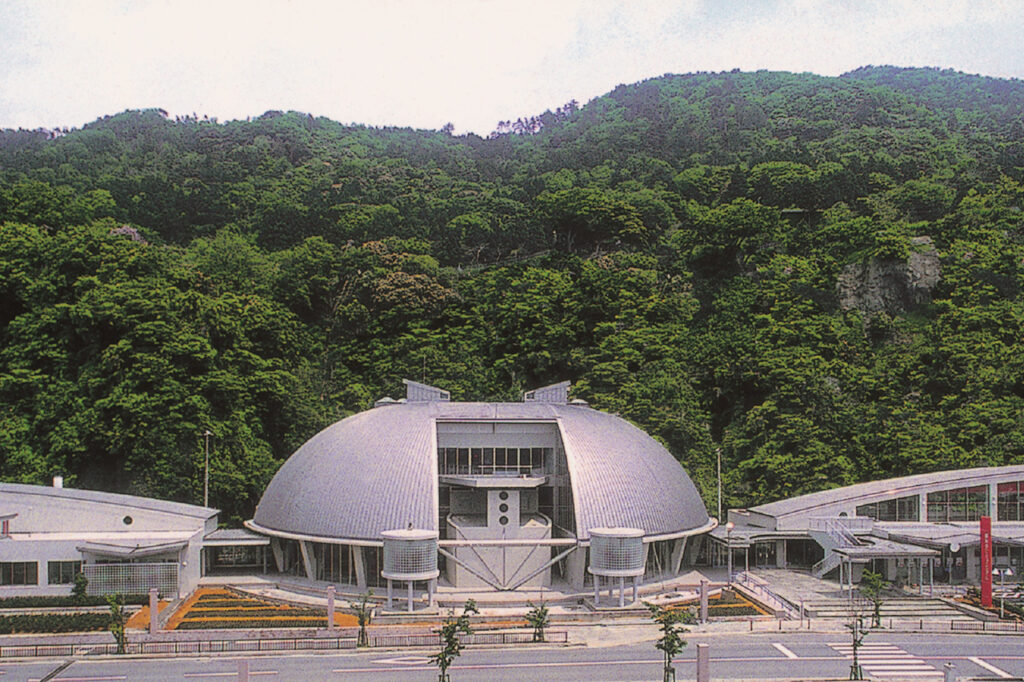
point(483, 461)
point(899, 509)
point(27, 572)
point(959, 504)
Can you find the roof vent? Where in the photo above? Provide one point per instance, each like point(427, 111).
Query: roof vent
point(416, 392)
point(555, 393)
point(58, 481)
point(386, 400)
point(579, 401)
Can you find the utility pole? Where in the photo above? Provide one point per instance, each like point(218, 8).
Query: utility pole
point(718, 451)
point(206, 474)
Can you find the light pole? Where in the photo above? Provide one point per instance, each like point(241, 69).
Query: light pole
point(206, 472)
point(718, 451)
point(1002, 573)
point(728, 548)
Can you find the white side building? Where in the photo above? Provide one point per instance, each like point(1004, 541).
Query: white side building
point(121, 543)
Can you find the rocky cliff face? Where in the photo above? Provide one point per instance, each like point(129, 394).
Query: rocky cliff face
point(891, 286)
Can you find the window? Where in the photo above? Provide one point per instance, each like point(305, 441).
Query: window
point(1010, 501)
point(62, 572)
point(19, 573)
point(899, 509)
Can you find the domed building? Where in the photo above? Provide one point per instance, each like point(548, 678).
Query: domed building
point(492, 495)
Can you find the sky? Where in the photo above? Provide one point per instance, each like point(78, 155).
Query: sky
point(425, 63)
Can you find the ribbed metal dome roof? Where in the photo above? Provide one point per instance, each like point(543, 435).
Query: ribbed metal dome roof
point(377, 471)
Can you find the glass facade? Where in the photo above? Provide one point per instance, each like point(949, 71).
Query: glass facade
point(958, 504)
point(492, 461)
point(1010, 501)
point(898, 509)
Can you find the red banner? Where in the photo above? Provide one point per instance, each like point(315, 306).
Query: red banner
point(986, 561)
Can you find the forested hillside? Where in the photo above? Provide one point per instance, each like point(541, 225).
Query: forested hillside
point(819, 276)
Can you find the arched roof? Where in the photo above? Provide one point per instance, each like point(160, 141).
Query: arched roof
point(377, 471)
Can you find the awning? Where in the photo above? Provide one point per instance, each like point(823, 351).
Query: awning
point(129, 550)
point(879, 548)
point(235, 537)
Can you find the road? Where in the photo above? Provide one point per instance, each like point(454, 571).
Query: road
point(734, 656)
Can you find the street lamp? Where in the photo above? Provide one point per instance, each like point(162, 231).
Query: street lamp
point(1002, 572)
point(728, 547)
point(206, 474)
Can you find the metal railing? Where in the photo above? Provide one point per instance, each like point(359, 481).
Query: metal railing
point(830, 561)
point(862, 524)
point(232, 646)
point(765, 595)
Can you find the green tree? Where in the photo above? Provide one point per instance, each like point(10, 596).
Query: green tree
point(537, 618)
point(670, 621)
point(873, 586)
point(451, 647)
point(118, 620)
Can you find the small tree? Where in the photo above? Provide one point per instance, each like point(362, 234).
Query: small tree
point(118, 620)
point(451, 646)
point(856, 609)
point(79, 589)
point(364, 612)
point(872, 586)
point(537, 617)
point(671, 621)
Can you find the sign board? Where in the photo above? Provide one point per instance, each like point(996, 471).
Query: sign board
point(986, 561)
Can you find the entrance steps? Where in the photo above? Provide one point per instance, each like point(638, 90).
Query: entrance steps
point(895, 608)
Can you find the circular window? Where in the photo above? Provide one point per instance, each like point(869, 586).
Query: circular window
point(503, 520)
point(127, 520)
point(503, 495)
point(503, 507)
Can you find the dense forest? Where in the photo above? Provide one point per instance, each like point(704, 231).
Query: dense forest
point(818, 277)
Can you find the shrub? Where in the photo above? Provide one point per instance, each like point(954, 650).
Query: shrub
point(53, 622)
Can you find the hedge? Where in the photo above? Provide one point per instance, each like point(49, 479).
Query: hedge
point(53, 622)
point(66, 600)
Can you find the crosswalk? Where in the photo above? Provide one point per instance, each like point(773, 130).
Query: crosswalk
point(882, 660)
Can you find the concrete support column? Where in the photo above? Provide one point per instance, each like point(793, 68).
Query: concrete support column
point(278, 551)
point(931, 576)
point(597, 590)
point(622, 592)
point(154, 610)
point(431, 590)
point(409, 600)
point(308, 558)
point(243, 671)
point(330, 608)
point(575, 567)
point(780, 554)
point(390, 593)
point(677, 555)
point(357, 559)
point(703, 601)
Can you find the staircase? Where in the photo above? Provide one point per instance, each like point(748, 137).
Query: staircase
point(829, 563)
point(895, 609)
point(832, 534)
